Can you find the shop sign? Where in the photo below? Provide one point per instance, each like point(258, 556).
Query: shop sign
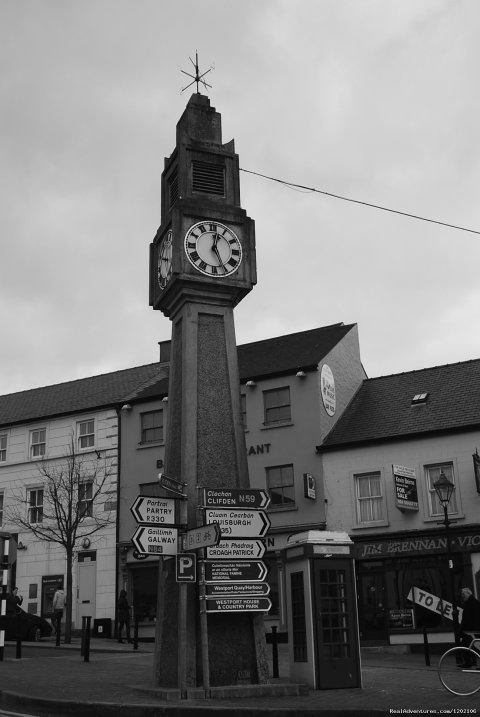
point(433, 603)
point(416, 546)
point(327, 386)
point(405, 481)
point(309, 488)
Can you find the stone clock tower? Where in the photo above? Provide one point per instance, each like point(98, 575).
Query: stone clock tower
point(202, 263)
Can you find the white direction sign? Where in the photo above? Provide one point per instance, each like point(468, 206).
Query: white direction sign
point(239, 523)
point(202, 537)
point(246, 548)
point(153, 510)
point(154, 540)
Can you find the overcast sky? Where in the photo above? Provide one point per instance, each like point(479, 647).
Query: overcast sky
point(375, 100)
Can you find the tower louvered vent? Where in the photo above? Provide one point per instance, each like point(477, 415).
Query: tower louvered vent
point(208, 178)
point(173, 187)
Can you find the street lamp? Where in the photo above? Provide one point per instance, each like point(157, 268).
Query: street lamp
point(444, 489)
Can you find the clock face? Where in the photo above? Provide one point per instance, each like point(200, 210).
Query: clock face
point(213, 249)
point(164, 271)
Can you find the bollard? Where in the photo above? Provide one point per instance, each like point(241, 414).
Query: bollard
point(18, 635)
point(58, 627)
point(86, 649)
point(274, 651)
point(135, 634)
point(426, 647)
point(82, 643)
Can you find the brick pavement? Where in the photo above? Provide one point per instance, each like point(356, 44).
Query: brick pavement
point(118, 681)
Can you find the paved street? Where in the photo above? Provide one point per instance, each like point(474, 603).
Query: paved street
point(118, 681)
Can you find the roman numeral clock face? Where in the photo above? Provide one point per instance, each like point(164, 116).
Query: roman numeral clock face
point(213, 249)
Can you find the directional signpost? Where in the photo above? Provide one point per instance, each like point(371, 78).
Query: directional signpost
point(235, 571)
point(152, 510)
point(236, 589)
point(235, 498)
point(241, 604)
point(202, 537)
point(239, 523)
point(244, 548)
point(154, 540)
point(171, 484)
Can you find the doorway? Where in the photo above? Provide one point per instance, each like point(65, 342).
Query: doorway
point(372, 606)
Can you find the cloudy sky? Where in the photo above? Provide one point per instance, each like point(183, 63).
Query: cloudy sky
point(373, 100)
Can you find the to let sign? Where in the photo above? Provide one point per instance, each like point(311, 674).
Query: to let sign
point(153, 510)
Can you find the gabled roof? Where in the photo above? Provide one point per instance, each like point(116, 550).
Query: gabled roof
point(86, 394)
point(277, 356)
point(284, 354)
point(382, 408)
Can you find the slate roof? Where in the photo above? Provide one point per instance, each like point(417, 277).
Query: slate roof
point(84, 394)
point(276, 356)
point(382, 408)
point(284, 354)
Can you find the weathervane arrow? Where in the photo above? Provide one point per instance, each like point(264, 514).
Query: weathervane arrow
point(197, 77)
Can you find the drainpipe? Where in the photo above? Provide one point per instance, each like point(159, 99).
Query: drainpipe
point(117, 526)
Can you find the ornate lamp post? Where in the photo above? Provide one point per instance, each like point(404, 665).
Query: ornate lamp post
point(444, 489)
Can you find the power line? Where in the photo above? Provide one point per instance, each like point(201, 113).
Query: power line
point(358, 201)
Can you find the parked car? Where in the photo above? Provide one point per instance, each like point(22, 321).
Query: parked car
point(32, 627)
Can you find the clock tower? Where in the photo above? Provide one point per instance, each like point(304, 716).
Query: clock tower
point(202, 263)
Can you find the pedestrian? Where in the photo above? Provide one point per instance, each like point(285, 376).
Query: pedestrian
point(14, 600)
point(123, 616)
point(470, 620)
point(57, 606)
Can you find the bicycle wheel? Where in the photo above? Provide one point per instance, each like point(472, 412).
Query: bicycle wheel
point(454, 676)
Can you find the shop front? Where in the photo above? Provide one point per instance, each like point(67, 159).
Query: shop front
point(404, 583)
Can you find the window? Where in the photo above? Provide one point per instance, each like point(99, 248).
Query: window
point(1, 509)
point(86, 434)
point(369, 499)
point(85, 499)
point(281, 486)
point(35, 505)
point(3, 447)
point(432, 475)
point(277, 405)
point(151, 427)
point(37, 442)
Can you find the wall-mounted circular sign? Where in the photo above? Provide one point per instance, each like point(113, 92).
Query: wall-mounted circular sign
point(327, 383)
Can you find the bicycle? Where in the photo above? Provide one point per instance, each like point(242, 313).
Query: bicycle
point(458, 670)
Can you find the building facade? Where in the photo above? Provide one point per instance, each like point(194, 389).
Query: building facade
point(40, 431)
point(380, 464)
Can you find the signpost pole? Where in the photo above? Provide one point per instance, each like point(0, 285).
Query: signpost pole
point(182, 617)
point(204, 630)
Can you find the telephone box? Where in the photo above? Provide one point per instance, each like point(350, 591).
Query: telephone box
point(323, 642)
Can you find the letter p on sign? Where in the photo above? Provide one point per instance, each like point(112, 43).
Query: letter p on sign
point(186, 567)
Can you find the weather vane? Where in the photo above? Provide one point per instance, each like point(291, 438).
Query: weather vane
point(197, 77)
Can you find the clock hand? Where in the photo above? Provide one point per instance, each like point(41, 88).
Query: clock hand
point(215, 249)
